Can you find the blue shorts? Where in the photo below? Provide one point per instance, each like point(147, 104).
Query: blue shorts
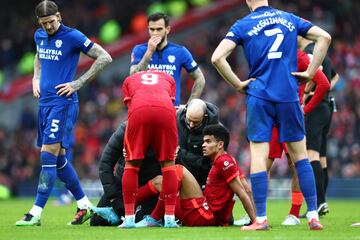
point(56, 124)
point(262, 115)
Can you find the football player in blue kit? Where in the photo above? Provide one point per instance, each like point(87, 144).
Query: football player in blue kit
point(56, 60)
point(269, 39)
point(159, 53)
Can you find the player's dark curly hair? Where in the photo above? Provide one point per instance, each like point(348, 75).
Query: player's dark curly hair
point(157, 16)
point(219, 132)
point(46, 8)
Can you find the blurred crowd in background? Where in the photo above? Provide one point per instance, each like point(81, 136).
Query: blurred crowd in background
point(101, 107)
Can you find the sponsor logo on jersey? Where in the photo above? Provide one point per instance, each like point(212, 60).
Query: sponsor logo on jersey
point(58, 43)
point(227, 165)
point(49, 54)
point(266, 14)
point(52, 135)
point(171, 58)
point(167, 68)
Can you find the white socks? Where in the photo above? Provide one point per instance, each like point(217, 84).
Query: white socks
point(83, 203)
point(312, 214)
point(36, 211)
point(261, 219)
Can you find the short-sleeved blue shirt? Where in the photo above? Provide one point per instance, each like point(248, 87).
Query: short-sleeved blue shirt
point(170, 60)
point(59, 56)
point(269, 39)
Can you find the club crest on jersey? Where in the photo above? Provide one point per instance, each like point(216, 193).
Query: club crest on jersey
point(58, 43)
point(171, 58)
point(226, 163)
point(41, 43)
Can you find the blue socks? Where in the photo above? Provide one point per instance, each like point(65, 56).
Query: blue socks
point(259, 184)
point(47, 178)
point(307, 183)
point(67, 174)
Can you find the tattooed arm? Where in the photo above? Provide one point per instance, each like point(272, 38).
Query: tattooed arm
point(36, 77)
point(102, 58)
point(199, 84)
point(143, 64)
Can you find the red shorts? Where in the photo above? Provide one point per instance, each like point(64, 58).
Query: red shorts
point(151, 126)
point(276, 148)
point(195, 212)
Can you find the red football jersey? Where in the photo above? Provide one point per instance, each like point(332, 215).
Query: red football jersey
point(217, 192)
point(322, 83)
point(149, 88)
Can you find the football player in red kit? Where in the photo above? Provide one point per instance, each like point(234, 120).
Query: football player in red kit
point(215, 205)
point(149, 96)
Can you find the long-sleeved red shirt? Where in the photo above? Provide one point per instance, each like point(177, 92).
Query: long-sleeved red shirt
point(322, 83)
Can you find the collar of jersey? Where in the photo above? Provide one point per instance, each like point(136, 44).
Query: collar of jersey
point(262, 8)
point(163, 48)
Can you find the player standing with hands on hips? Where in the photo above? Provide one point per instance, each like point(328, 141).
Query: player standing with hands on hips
point(56, 60)
point(269, 39)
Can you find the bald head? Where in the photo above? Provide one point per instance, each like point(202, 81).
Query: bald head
point(195, 112)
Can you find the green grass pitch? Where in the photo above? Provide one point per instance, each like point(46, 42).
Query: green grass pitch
point(54, 220)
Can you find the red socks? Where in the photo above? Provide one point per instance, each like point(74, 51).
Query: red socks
point(130, 188)
point(296, 202)
point(169, 189)
point(145, 192)
point(159, 210)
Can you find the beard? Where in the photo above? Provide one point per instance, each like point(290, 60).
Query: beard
point(162, 40)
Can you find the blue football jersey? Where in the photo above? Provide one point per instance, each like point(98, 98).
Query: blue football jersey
point(170, 60)
point(59, 56)
point(269, 39)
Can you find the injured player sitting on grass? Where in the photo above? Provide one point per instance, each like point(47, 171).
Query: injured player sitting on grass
point(215, 205)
